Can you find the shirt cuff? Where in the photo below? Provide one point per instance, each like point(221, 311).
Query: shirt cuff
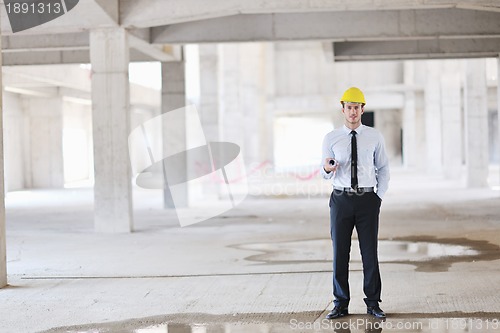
point(381, 194)
point(326, 175)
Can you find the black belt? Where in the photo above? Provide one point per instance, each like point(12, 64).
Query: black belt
point(350, 190)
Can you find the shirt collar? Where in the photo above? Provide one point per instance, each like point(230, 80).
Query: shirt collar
point(358, 129)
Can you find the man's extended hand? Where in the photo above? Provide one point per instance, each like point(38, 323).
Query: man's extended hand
point(329, 167)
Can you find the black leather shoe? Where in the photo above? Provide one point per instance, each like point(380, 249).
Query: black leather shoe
point(375, 311)
point(337, 312)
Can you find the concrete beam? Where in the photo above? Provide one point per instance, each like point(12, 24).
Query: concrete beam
point(46, 92)
point(111, 9)
point(71, 57)
point(328, 51)
point(73, 48)
point(92, 14)
point(42, 76)
point(417, 49)
point(163, 54)
point(46, 58)
point(140, 96)
point(147, 13)
point(370, 25)
point(66, 42)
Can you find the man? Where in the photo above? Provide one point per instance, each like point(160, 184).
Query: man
point(355, 159)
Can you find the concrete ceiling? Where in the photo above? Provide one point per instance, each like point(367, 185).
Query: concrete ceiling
point(356, 29)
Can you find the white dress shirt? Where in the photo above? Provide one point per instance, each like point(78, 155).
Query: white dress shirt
point(373, 164)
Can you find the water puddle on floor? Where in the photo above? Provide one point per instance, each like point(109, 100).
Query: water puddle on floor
point(425, 253)
point(441, 325)
point(351, 324)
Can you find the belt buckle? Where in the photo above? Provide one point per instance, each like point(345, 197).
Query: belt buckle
point(359, 190)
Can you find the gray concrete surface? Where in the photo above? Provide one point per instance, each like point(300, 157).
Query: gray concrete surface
point(262, 267)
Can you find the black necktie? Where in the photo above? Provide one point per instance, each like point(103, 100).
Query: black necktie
point(354, 161)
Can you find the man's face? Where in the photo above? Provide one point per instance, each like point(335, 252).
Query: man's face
point(352, 112)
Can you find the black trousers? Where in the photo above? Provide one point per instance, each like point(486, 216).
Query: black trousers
point(349, 210)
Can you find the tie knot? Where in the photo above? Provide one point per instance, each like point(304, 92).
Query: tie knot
point(353, 132)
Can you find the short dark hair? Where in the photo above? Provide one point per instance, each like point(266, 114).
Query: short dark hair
point(362, 104)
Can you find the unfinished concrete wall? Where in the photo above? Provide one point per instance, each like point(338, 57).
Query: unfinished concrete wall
point(77, 142)
point(14, 140)
point(434, 124)
point(308, 84)
point(33, 142)
point(43, 145)
point(242, 97)
point(304, 81)
point(302, 69)
point(389, 123)
point(42, 136)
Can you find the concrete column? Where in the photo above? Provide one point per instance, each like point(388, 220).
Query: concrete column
point(476, 123)
point(498, 96)
point(45, 155)
point(420, 132)
point(252, 100)
point(242, 98)
point(173, 96)
point(267, 125)
point(14, 143)
point(229, 98)
point(209, 109)
point(3, 251)
point(433, 118)
point(209, 91)
point(409, 119)
point(109, 56)
point(452, 119)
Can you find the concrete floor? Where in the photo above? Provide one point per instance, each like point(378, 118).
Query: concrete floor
point(262, 267)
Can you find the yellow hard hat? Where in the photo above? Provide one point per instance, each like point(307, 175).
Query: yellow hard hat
point(353, 95)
